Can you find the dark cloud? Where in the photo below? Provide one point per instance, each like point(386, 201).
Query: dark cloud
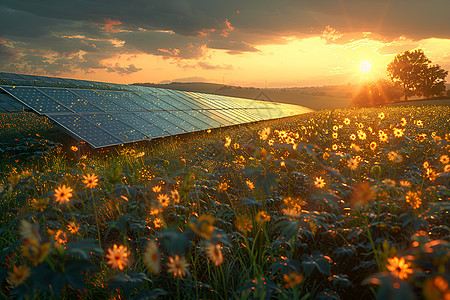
point(58, 31)
point(123, 71)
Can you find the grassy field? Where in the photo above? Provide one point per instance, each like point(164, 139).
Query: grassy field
point(328, 205)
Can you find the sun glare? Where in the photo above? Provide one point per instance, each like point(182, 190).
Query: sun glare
point(365, 66)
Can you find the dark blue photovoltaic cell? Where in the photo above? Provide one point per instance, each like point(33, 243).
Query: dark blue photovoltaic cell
point(69, 100)
point(175, 119)
point(150, 117)
point(188, 100)
point(133, 120)
point(9, 104)
point(36, 100)
point(227, 114)
point(177, 104)
point(142, 102)
point(212, 115)
point(196, 123)
point(115, 127)
point(97, 100)
point(117, 98)
point(202, 117)
point(158, 102)
point(85, 131)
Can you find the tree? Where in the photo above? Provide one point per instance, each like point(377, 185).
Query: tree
point(377, 93)
point(412, 70)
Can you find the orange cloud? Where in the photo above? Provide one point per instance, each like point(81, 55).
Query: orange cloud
point(228, 28)
point(206, 32)
point(109, 26)
point(170, 51)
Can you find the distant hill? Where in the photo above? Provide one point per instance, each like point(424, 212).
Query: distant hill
point(317, 98)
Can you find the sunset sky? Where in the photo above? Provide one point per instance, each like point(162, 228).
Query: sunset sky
point(260, 43)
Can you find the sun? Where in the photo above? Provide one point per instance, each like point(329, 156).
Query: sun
point(365, 66)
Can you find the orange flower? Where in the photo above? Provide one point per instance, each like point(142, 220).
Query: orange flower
point(118, 257)
point(399, 268)
point(320, 182)
point(292, 279)
point(151, 257)
point(73, 228)
point(164, 200)
point(215, 254)
point(227, 142)
point(90, 181)
point(63, 194)
point(363, 194)
point(18, 275)
point(177, 266)
point(61, 237)
point(204, 226)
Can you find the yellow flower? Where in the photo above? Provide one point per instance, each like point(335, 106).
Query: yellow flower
point(61, 237)
point(215, 254)
point(447, 168)
point(156, 189)
point(262, 216)
point(361, 135)
point(250, 184)
point(91, 181)
point(398, 132)
point(403, 122)
point(18, 275)
point(405, 183)
point(73, 228)
point(362, 195)
point(152, 258)
point(352, 163)
point(175, 196)
point(227, 142)
point(292, 279)
point(223, 186)
point(347, 121)
point(164, 200)
point(264, 134)
point(319, 182)
point(35, 251)
point(383, 136)
point(74, 148)
point(244, 224)
point(204, 226)
point(177, 266)
point(399, 268)
point(352, 136)
point(63, 194)
point(444, 159)
point(381, 116)
point(414, 199)
point(334, 135)
point(158, 223)
point(373, 146)
point(40, 203)
point(29, 231)
point(118, 257)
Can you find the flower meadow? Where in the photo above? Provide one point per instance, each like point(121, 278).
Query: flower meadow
point(328, 205)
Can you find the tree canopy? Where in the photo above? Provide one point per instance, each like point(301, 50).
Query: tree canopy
point(414, 72)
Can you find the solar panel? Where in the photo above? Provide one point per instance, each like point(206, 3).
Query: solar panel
point(36, 100)
point(69, 99)
point(106, 114)
point(83, 130)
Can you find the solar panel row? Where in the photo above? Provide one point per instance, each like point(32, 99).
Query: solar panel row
point(104, 117)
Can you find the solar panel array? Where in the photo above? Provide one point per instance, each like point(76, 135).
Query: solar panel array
point(105, 116)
